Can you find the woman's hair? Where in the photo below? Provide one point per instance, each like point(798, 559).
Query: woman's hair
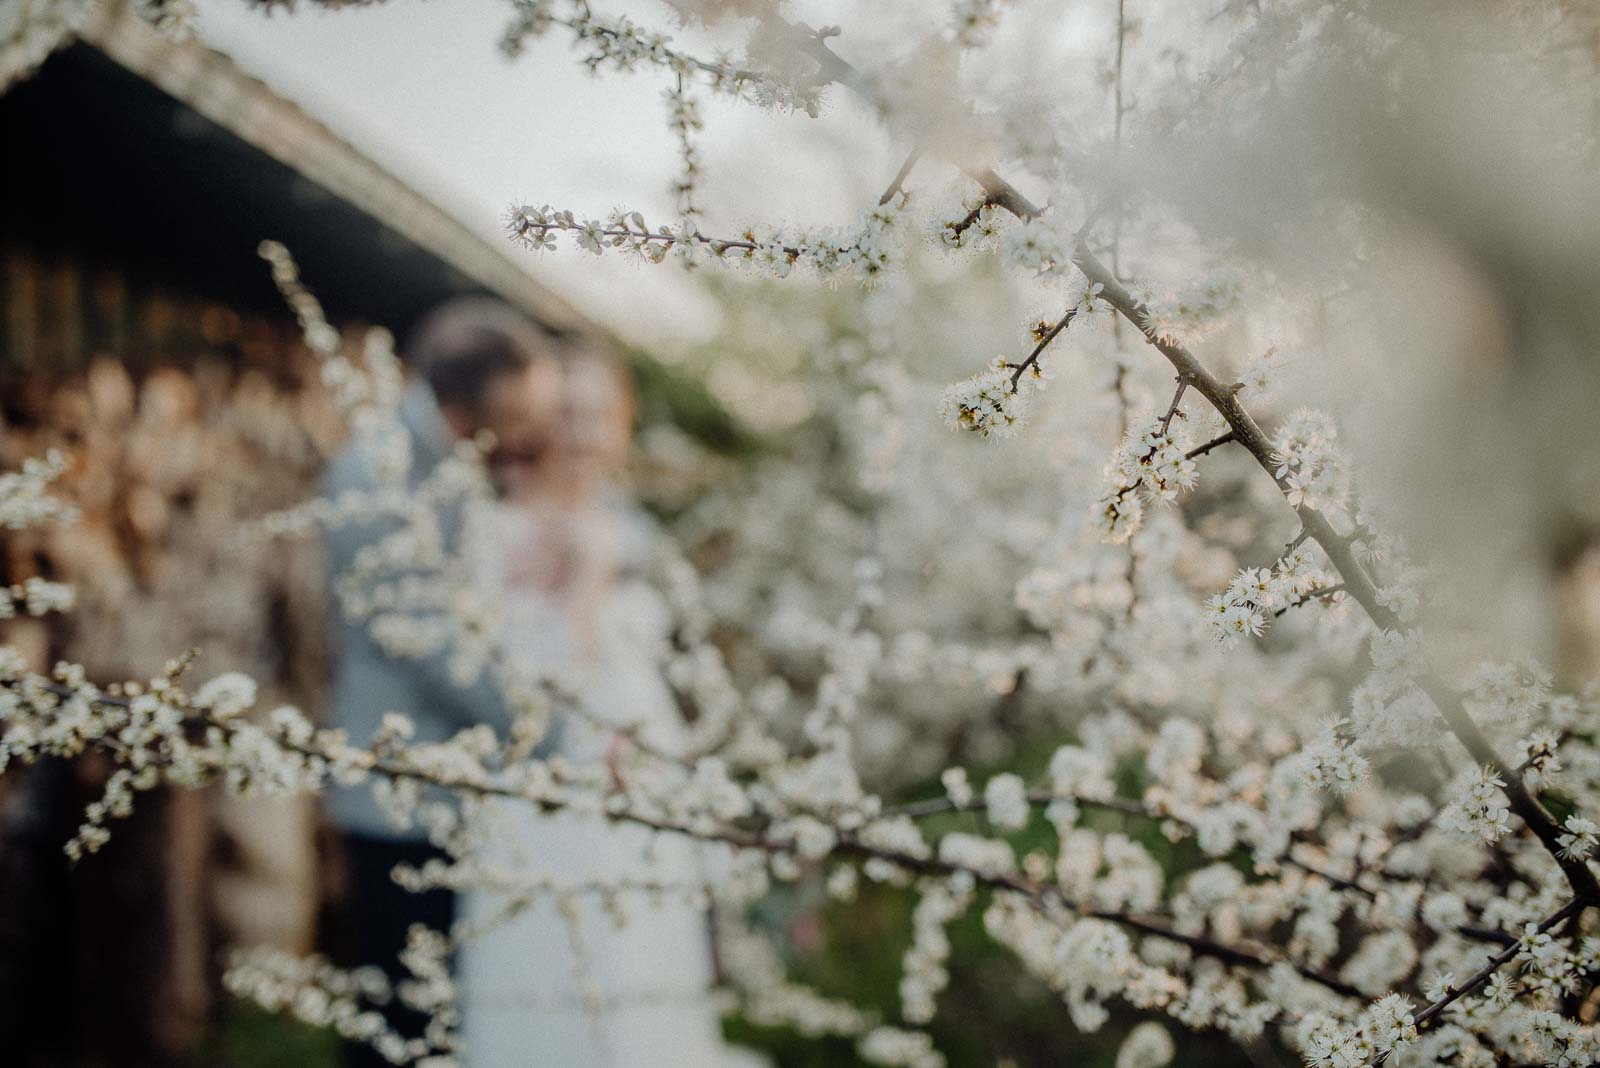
point(464, 344)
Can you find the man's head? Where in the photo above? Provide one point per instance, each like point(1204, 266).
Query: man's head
point(491, 369)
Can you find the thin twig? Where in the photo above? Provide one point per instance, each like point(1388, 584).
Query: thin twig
point(1314, 595)
point(967, 221)
point(1044, 343)
point(901, 175)
point(1177, 399)
point(1214, 443)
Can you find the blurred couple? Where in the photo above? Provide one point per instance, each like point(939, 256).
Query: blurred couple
point(555, 982)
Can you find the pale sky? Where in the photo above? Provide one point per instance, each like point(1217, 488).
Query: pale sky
point(420, 86)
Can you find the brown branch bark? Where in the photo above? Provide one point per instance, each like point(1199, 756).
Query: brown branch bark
point(1478, 978)
point(1357, 582)
point(1248, 433)
point(1044, 343)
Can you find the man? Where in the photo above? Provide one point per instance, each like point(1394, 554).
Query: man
point(479, 366)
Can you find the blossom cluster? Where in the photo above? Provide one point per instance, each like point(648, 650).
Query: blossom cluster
point(1365, 875)
point(36, 597)
point(1480, 808)
point(923, 972)
point(348, 1002)
point(149, 730)
point(865, 251)
point(619, 44)
point(1325, 796)
point(1154, 462)
point(990, 403)
point(1041, 246)
point(1310, 464)
point(1257, 595)
point(1334, 764)
point(24, 501)
point(1189, 316)
point(979, 225)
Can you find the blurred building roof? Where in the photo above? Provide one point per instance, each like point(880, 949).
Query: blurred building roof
point(165, 155)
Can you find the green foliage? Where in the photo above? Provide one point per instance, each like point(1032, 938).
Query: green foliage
point(245, 1036)
point(993, 1013)
point(669, 395)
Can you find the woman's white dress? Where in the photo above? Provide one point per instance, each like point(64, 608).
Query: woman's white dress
point(565, 987)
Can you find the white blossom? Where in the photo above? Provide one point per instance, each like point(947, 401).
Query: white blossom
point(1005, 799)
point(1480, 809)
point(1580, 839)
point(986, 403)
point(227, 695)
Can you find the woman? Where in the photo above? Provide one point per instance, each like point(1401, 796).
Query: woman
point(557, 981)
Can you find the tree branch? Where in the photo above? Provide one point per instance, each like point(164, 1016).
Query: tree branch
point(1044, 342)
point(901, 175)
point(1478, 978)
point(1248, 433)
point(1215, 443)
point(397, 769)
point(1314, 595)
point(1337, 547)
